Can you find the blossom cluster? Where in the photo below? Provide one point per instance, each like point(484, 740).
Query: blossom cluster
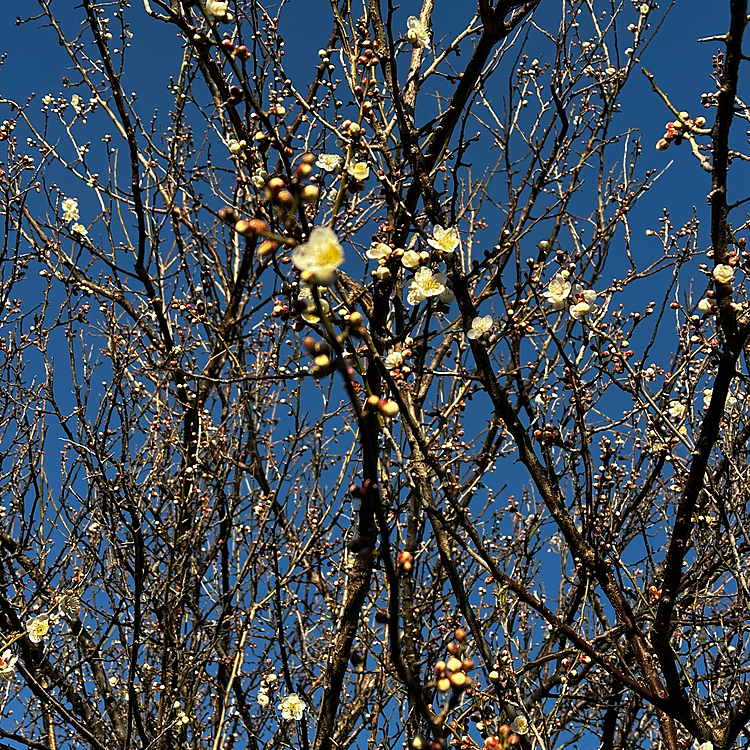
point(264, 692)
point(70, 214)
point(561, 294)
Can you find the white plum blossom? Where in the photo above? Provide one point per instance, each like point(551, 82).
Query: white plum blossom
point(7, 665)
point(410, 259)
point(708, 392)
point(445, 241)
point(217, 9)
point(319, 257)
point(79, 229)
point(558, 290)
point(584, 301)
point(259, 179)
point(292, 707)
point(70, 210)
point(359, 171)
point(416, 33)
point(38, 627)
point(707, 306)
point(447, 296)
point(77, 103)
point(394, 360)
point(723, 273)
point(235, 146)
point(263, 699)
point(676, 410)
point(425, 284)
point(329, 162)
point(480, 327)
point(520, 725)
point(379, 251)
point(310, 313)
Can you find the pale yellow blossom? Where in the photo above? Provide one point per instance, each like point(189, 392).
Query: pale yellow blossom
point(319, 257)
point(425, 284)
point(410, 259)
point(417, 33)
point(723, 273)
point(445, 241)
point(480, 327)
point(37, 627)
point(70, 209)
point(359, 171)
point(292, 707)
point(557, 291)
point(329, 162)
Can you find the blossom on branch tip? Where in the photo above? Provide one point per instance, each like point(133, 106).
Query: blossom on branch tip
point(319, 257)
point(310, 313)
point(7, 665)
point(329, 162)
point(218, 9)
point(557, 291)
point(394, 360)
point(480, 327)
point(379, 251)
point(425, 284)
point(520, 725)
point(292, 707)
point(584, 301)
point(723, 273)
point(359, 171)
point(410, 259)
point(235, 146)
point(80, 229)
point(37, 628)
point(445, 241)
point(676, 410)
point(728, 404)
point(70, 209)
point(416, 33)
point(707, 306)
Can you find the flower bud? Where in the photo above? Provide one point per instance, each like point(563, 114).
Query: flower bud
point(662, 144)
point(405, 561)
point(303, 170)
point(244, 228)
point(310, 193)
point(460, 635)
point(284, 198)
point(322, 360)
point(444, 684)
point(454, 664)
point(388, 408)
point(229, 215)
point(267, 247)
point(243, 53)
point(460, 681)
